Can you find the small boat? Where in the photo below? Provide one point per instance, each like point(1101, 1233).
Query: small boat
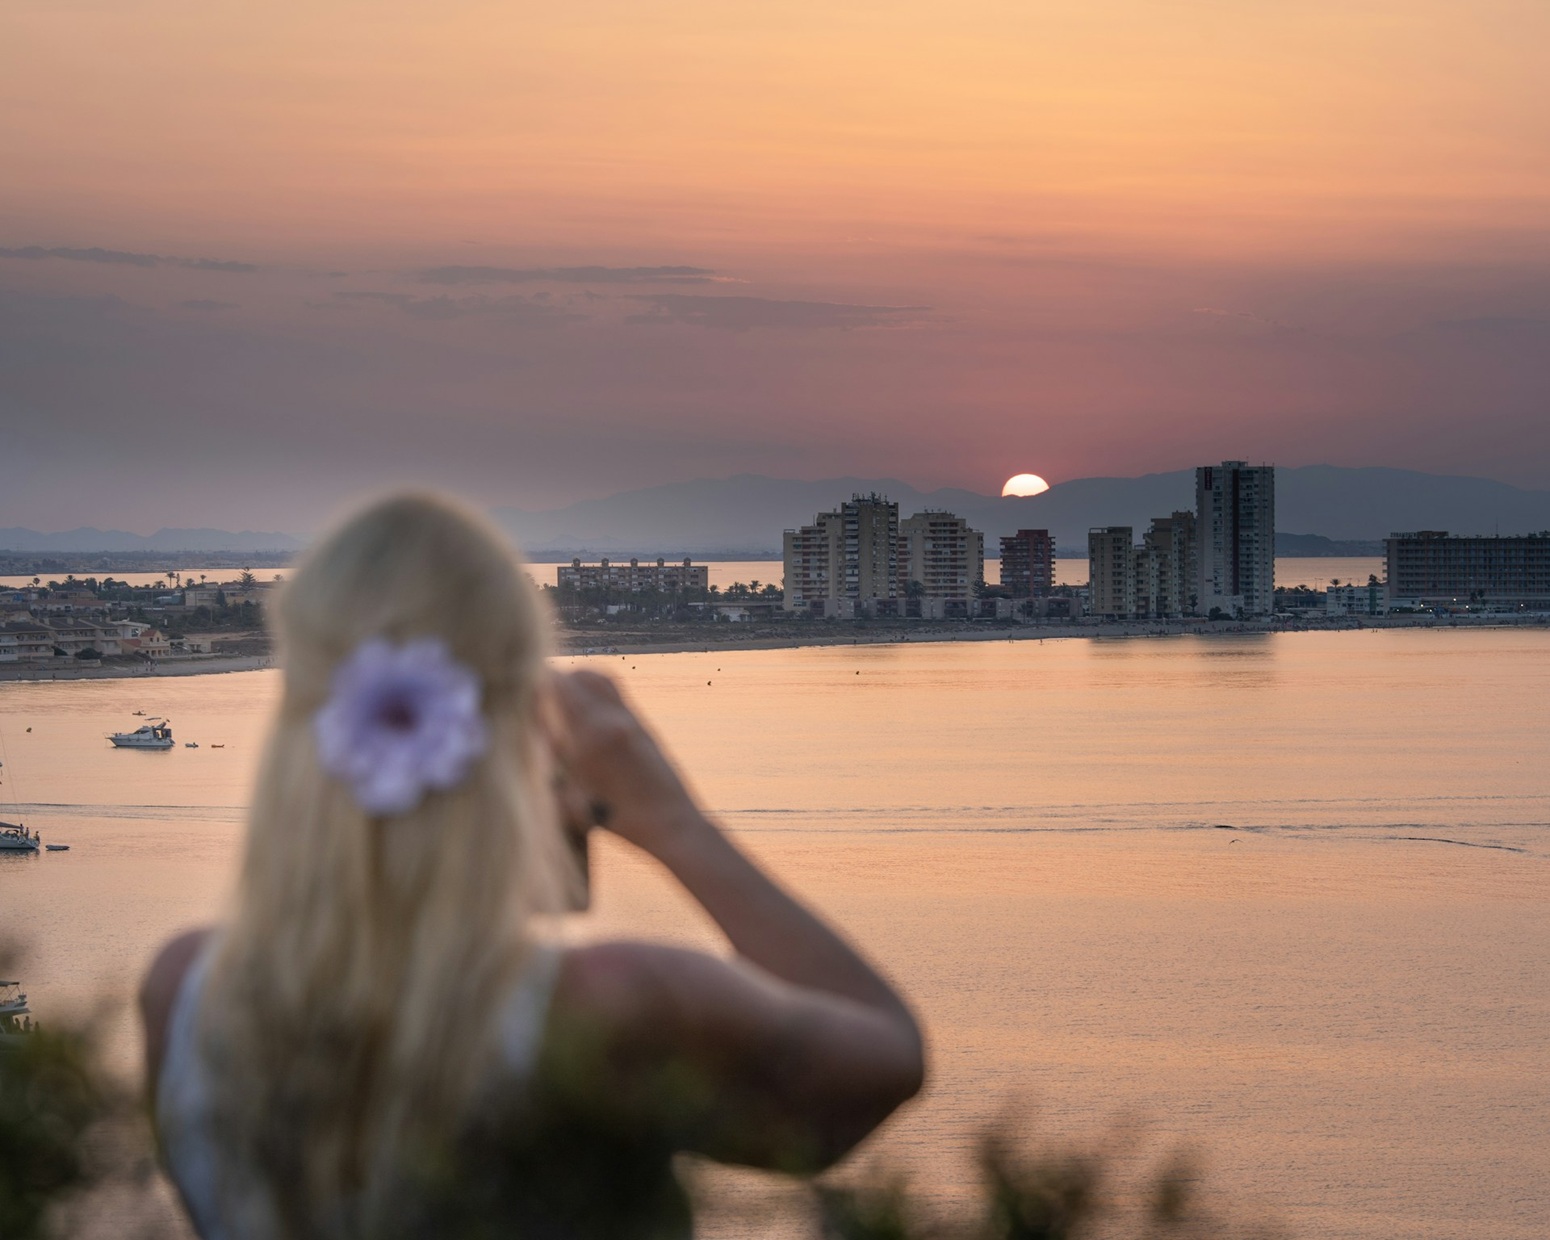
point(14, 1021)
point(220, 746)
point(140, 714)
point(190, 744)
point(16, 838)
point(157, 734)
point(56, 847)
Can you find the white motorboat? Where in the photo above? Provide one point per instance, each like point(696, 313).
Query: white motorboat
point(16, 838)
point(14, 1018)
point(157, 734)
point(190, 744)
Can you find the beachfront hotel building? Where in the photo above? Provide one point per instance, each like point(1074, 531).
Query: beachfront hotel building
point(941, 562)
point(1235, 510)
point(1432, 567)
point(1028, 563)
point(846, 563)
point(633, 578)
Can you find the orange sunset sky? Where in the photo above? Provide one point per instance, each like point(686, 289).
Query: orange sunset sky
point(253, 257)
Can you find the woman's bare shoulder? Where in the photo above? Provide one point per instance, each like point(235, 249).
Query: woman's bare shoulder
point(732, 1061)
point(159, 990)
point(646, 997)
point(621, 981)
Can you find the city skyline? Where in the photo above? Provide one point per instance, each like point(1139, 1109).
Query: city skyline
point(536, 257)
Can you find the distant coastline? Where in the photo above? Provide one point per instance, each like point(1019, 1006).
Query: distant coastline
point(726, 637)
point(27, 563)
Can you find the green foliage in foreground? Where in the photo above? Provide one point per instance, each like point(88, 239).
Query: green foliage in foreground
point(1037, 1193)
point(50, 1100)
point(72, 1135)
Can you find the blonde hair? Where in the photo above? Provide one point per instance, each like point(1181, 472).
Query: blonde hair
point(354, 997)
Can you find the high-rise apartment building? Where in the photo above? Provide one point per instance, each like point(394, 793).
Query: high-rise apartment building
point(1028, 563)
point(944, 557)
point(812, 554)
point(1235, 512)
point(871, 564)
point(847, 562)
point(1168, 567)
point(1111, 571)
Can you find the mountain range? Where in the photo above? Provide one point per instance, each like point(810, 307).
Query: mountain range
point(89, 538)
point(743, 516)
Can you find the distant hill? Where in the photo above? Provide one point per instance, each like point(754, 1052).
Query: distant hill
point(169, 540)
point(1318, 545)
point(744, 515)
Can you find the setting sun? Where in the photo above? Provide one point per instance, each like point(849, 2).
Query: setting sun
point(1025, 484)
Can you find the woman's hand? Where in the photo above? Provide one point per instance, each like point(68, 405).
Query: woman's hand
point(613, 768)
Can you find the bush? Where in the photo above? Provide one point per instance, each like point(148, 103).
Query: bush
point(69, 1131)
point(1031, 1191)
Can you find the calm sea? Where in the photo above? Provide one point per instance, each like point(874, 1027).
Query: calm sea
point(1284, 899)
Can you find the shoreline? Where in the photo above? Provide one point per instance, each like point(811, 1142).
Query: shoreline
point(570, 643)
point(574, 644)
point(193, 665)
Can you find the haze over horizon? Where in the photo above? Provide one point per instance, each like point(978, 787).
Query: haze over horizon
point(250, 267)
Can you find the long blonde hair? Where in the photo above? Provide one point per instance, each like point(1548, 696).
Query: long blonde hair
point(353, 999)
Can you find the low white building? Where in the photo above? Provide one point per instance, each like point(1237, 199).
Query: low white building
point(25, 641)
point(74, 635)
point(142, 639)
point(1370, 599)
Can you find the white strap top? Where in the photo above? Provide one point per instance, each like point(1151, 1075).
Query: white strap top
point(183, 1107)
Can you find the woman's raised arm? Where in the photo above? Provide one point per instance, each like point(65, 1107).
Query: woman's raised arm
point(801, 1046)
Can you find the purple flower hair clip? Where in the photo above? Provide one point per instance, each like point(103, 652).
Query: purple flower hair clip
point(400, 721)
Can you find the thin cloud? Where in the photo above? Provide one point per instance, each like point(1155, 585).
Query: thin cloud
point(212, 264)
point(391, 299)
point(749, 313)
point(567, 275)
point(531, 310)
point(121, 258)
point(1501, 326)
